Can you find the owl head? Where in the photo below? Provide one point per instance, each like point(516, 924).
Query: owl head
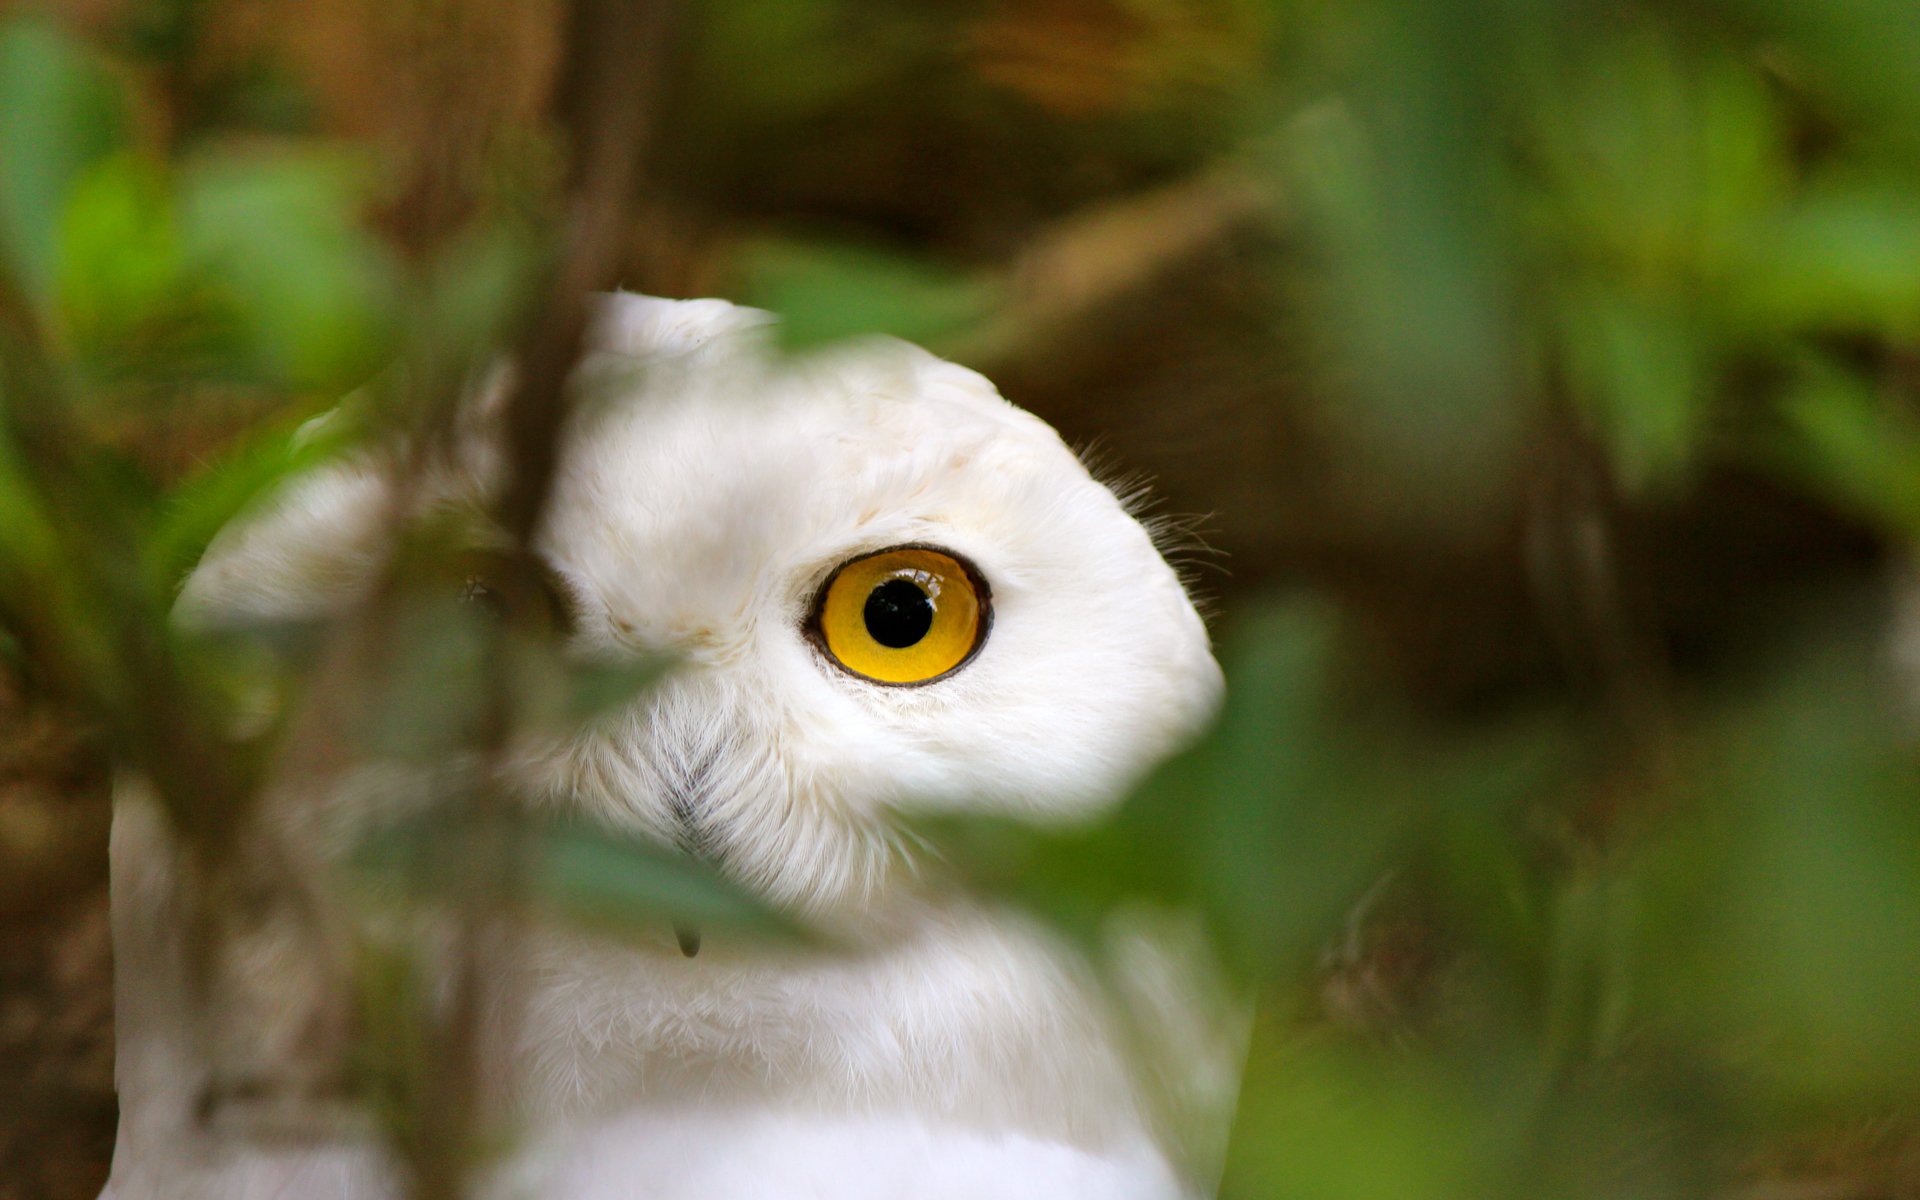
point(884, 587)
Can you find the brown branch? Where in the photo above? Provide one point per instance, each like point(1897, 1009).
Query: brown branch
point(1107, 253)
point(614, 53)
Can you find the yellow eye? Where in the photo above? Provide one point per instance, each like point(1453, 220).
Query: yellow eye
point(906, 615)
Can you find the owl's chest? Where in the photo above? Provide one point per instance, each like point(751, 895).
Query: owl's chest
point(969, 1018)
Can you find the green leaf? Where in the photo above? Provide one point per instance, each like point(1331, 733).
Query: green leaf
point(556, 693)
point(1661, 161)
point(825, 291)
point(1843, 258)
point(121, 271)
point(1644, 373)
point(222, 489)
point(479, 287)
point(431, 702)
point(59, 112)
point(1289, 822)
point(1861, 52)
point(1779, 923)
point(1855, 445)
point(1323, 1119)
point(597, 878)
point(601, 879)
point(313, 294)
point(1272, 826)
point(1395, 189)
point(597, 688)
point(26, 540)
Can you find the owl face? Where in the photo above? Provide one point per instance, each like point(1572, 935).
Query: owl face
point(886, 590)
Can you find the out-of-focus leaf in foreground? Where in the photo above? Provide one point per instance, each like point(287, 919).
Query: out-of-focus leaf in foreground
point(825, 292)
point(1290, 809)
point(1856, 443)
point(1262, 825)
point(610, 882)
point(59, 112)
point(1327, 1118)
point(1397, 183)
point(1783, 918)
point(311, 294)
point(121, 271)
point(211, 497)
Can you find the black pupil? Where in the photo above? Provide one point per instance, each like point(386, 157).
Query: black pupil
point(899, 613)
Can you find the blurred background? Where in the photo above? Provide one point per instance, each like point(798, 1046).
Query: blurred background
point(1532, 382)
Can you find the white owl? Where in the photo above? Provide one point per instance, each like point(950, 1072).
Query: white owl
point(887, 589)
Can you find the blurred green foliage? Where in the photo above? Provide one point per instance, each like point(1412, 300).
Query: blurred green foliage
point(1643, 950)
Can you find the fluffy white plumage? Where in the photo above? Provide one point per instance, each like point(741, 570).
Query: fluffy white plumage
point(701, 503)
